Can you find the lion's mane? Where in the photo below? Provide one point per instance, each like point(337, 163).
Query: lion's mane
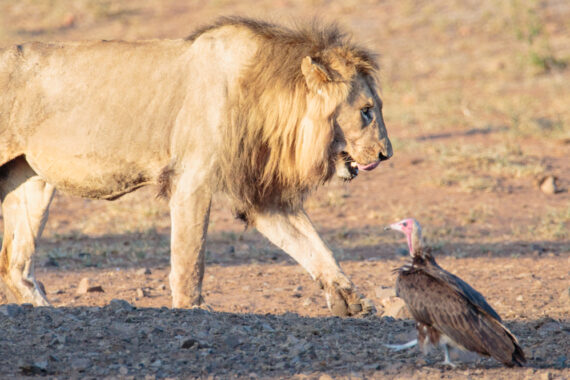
point(268, 158)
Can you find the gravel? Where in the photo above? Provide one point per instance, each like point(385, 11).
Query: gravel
point(120, 340)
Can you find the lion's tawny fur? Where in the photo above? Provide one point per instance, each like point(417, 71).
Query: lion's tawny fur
point(259, 111)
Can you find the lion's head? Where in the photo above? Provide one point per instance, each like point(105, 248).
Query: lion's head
point(307, 108)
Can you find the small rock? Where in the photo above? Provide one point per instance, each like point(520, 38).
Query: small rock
point(396, 308)
point(11, 310)
point(519, 298)
point(34, 369)
point(384, 292)
point(27, 306)
point(123, 370)
point(123, 330)
point(232, 341)
point(193, 343)
point(42, 364)
point(189, 343)
point(549, 184)
point(141, 293)
point(143, 271)
point(307, 302)
point(85, 286)
point(80, 364)
point(117, 305)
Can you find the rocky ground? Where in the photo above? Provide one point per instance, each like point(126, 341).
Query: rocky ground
point(122, 341)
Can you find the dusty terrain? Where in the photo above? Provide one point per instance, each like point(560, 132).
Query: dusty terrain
point(476, 102)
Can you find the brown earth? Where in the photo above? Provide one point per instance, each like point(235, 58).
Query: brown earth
point(476, 102)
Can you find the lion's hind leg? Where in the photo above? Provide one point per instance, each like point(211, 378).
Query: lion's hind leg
point(25, 202)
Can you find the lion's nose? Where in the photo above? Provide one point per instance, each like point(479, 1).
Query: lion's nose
point(386, 150)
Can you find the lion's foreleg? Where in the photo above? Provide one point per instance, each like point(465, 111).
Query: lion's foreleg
point(190, 211)
point(296, 235)
point(25, 202)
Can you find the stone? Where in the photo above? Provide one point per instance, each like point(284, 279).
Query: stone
point(11, 310)
point(80, 364)
point(34, 369)
point(143, 271)
point(549, 185)
point(120, 305)
point(396, 308)
point(384, 292)
point(85, 286)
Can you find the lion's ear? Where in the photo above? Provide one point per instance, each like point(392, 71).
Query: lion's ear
point(315, 74)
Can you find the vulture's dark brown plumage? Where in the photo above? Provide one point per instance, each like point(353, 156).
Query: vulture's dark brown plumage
point(447, 310)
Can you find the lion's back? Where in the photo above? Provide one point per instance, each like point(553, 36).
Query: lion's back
point(98, 119)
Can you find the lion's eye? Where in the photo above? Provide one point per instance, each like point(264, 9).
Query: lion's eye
point(366, 113)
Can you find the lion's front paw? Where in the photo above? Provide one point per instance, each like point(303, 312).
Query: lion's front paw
point(345, 302)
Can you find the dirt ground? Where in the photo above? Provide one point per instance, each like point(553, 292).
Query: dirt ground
point(476, 102)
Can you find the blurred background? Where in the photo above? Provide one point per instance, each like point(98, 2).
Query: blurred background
point(476, 97)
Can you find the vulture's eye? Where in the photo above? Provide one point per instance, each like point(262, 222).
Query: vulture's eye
point(405, 224)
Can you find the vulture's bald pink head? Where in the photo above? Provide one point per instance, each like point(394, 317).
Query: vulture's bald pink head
point(413, 231)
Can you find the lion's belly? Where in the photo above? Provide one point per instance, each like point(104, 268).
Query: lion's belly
point(106, 172)
point(92, 179)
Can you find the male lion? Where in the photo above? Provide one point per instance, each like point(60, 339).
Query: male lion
point(255, 110)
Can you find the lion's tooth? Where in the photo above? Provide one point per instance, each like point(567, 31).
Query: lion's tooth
point(353, 164)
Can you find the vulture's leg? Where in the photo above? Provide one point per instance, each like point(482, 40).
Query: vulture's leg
point(447, 361)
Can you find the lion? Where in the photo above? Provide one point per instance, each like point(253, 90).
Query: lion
point(260, 112)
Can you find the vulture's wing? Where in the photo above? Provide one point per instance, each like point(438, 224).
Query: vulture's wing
point(462, 288)
point(438, 304)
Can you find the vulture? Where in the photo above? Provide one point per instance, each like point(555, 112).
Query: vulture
point(446, 309)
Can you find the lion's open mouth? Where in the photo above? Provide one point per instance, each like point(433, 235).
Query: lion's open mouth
point(354, 167)
point(351, 167)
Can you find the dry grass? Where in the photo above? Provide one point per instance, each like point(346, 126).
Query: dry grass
point(554, 224)
point(482, 168)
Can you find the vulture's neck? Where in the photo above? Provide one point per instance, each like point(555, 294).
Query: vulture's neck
point(419, 250)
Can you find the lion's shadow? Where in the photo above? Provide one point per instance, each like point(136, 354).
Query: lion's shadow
point(152, 248)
